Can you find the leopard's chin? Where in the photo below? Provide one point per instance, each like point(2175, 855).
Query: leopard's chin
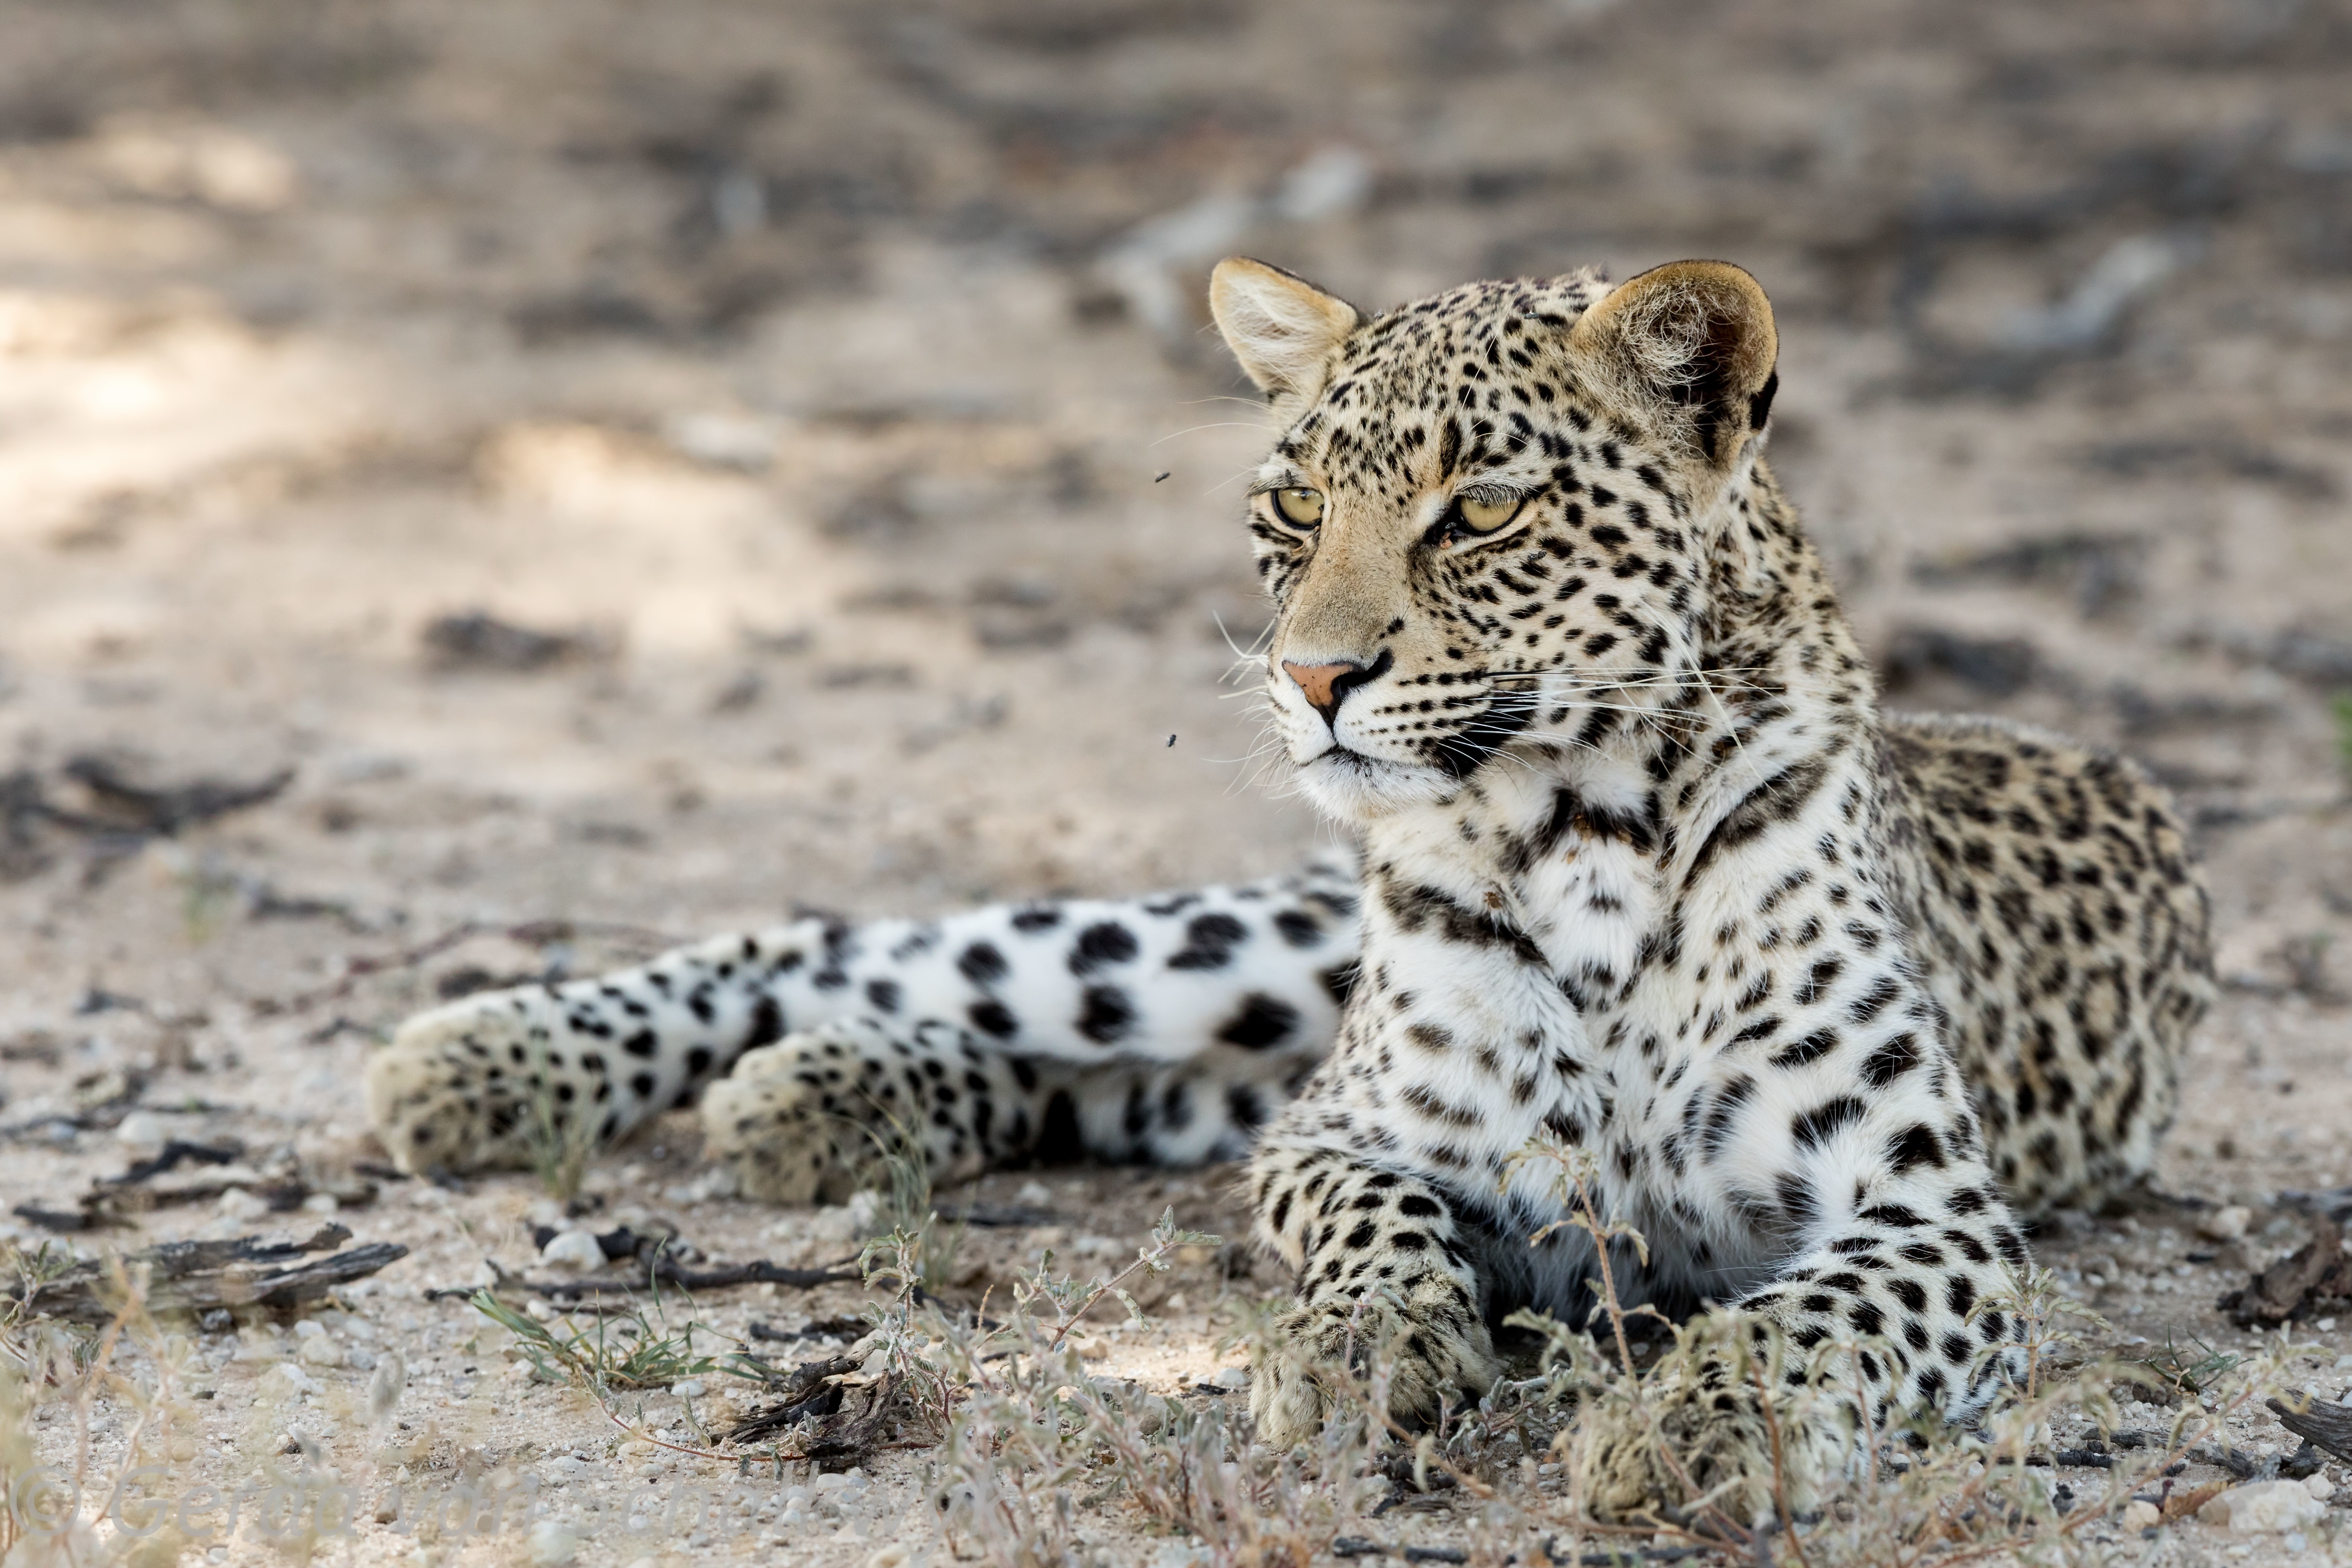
point(1349, 786)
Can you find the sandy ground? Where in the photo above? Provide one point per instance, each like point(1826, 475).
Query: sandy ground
point(828, 381)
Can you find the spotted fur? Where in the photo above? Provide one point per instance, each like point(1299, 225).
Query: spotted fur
point(1829, 996)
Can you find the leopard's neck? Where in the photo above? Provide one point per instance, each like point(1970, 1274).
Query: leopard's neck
point(1589, 850)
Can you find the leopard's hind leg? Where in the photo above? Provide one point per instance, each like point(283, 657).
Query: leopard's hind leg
point(807, 1119)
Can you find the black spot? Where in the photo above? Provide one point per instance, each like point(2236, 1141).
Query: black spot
point(1208, 942)
point(698, 1061)
point(990, 1016)
point(642, 1085)
point(1037, 918)
point(1914, 1146)
point(1104, 942)
point(1813, 1047)
point(641, 1044)
point(1891, 1061)
point(1109, 1014)
point(1262, 1021)
point(1299, 928)
point(982, 963)
point(1822, 1121)
point(767, 1024)
point(884, 995)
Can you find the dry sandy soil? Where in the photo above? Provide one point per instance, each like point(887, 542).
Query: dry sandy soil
point(826, 383)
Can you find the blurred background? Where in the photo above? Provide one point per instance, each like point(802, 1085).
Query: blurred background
point(643, 466)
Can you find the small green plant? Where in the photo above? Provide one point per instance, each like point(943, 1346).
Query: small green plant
point(616, 1353)
point(2173, 1368)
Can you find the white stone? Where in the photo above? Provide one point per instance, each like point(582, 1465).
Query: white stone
point(319, 1351)
point(565, 1468)
point(240, 1204)
point(2319, 1486)
point(552, 1544)
point(1232, 1377)
point(2226, 1223)
point(2261, 1506)
point(141, 1129)
point(1034, 1192)
point(690, 1389)
point(831, 1483)
point(890, 1557)
point(572, 1249)
point(2142, 1515)
point(308, 1329)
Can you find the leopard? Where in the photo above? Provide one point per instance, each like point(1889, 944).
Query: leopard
point(1828, 1002)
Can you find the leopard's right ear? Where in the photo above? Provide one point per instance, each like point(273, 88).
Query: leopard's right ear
point(1281, 327)
point(1688, 348)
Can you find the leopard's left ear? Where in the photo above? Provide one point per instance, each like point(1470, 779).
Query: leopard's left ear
point(1689, 346)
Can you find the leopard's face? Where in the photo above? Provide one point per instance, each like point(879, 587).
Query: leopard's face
point(1475, 543)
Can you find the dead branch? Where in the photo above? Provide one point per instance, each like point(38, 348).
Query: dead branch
point(195, 1277)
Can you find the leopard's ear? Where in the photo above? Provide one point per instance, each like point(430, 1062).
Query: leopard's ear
point(1688, 347)
point(1281, 327)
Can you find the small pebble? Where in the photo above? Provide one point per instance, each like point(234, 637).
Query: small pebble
point(140, 1130)
point(572, 1249)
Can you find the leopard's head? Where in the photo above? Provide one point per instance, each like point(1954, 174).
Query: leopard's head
point(1492, 519)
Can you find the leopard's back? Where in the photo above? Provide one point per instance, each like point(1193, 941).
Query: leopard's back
point(2064, 926)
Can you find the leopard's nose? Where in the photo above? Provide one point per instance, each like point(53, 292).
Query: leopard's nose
point(1327, 685)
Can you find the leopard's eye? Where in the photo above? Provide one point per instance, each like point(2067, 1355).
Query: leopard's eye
point(1300, 507)
point(1485, 514)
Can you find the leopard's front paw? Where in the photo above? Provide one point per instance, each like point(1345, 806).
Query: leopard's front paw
point(1438, 1350)
point(803, 1120)
point(1701, 1440)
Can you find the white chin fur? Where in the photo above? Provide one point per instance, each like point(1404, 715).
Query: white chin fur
point(1347, 787)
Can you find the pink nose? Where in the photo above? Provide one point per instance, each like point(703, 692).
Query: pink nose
point(1325, 685)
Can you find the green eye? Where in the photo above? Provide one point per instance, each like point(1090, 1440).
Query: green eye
point(1485, 514)
point(1300, 507)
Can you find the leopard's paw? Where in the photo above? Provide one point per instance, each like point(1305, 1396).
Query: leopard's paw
point(1437, 1349)
point(459, 1087)
point(803, 1120)
point(1703, 1440)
